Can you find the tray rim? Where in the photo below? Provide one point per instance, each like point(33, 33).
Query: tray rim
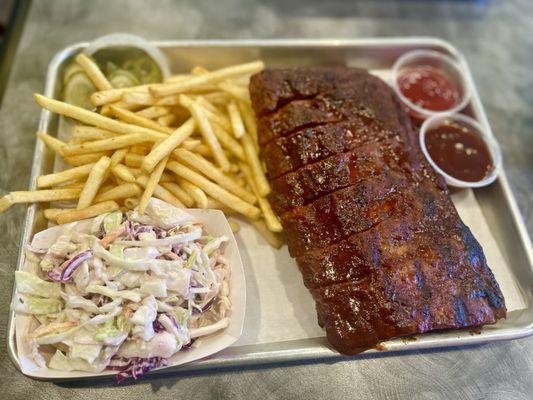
point(316, 348)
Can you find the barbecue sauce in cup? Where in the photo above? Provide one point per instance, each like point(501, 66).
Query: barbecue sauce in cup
point(459, 152)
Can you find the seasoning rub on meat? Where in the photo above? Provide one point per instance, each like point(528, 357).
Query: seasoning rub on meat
point(372, 227)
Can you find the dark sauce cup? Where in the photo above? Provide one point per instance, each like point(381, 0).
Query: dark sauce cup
point(474, 127)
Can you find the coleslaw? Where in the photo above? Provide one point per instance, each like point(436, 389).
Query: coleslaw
point(128, 295)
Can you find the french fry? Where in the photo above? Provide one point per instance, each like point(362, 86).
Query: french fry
point(234, 169)
point(177, 191)
point(107, 112)
point(213, 113)
point(133, 160)
point(118, 181)
point(93, 72)
point(37, 196)
point(139, 149)
point(118, 156)
point(82, 159)
point(201, 89)
point(237, 92)
point(210, 111)
point(153, 112)
point(206, 168)
point(114, 95)
point(5, 203)
point(217, 205)
point(241, 181)
point(86, 133)
point(217, 98)
point(272, 238)
point(243, 80)
point(210, 77)
point(167, 120)
point(87, 212)
point(67, 175)
point(209, 136)
point(74, 140)
point(168, 101)
point(51, 142)
point(203, 150)
point(161, 193)
point(123, 172)
point(198, 195)
point(52, 213)
point(106, 188)
point(135, 171)
point(263, 188)
point(73, 185)
point(237, 125)
point(131, 202)
point(132, 118)
point(270, 217)
point(228, 142)
point(143, 99)
point(248, 118)
point(199, 70)
point(165, 147)
point(93, 183)
point(113, 143)
point(214, 190)
point(209, 107)
point(167, 177)
point(191, 144)
point(91, 118)
point(119, 192)
point(151, 183)
point(177, 78)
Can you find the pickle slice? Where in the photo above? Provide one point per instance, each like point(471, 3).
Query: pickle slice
point(72, 69)
point(145, 69)
point(122, 79)
point(78, 91)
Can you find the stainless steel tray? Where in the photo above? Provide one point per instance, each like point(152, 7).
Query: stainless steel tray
point(497, 201)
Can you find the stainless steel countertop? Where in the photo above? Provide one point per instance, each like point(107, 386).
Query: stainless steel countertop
point(497, 40)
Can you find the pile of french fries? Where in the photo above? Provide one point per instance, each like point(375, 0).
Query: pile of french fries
point(190, 141)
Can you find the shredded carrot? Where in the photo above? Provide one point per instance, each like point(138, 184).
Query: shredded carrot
point(111, 236)
point(172, 255)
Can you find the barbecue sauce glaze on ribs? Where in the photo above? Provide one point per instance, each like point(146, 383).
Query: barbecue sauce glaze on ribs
point(375, 234)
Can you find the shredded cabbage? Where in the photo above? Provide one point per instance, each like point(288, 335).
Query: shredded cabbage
point(36, 305)
point(31, 284)
point(112, 221)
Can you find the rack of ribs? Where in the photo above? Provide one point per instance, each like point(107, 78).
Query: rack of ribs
point(374, 232)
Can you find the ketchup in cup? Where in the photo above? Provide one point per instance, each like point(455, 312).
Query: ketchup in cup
point(458, 148)
point(429, 83)
point(429, 88)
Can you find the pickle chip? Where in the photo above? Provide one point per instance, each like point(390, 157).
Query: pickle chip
point(121, 78)
point(72, 69)
point(78, 90)
point(145, 69)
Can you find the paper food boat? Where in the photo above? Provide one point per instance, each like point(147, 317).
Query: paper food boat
point(215, 224)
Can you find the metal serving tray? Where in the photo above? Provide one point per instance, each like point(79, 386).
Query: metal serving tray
point(497, 202)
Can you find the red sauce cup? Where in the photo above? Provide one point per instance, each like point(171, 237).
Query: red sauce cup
point(474, 127)
point(444, 65)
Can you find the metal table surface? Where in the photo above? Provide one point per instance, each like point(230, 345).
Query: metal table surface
point(496, 38)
